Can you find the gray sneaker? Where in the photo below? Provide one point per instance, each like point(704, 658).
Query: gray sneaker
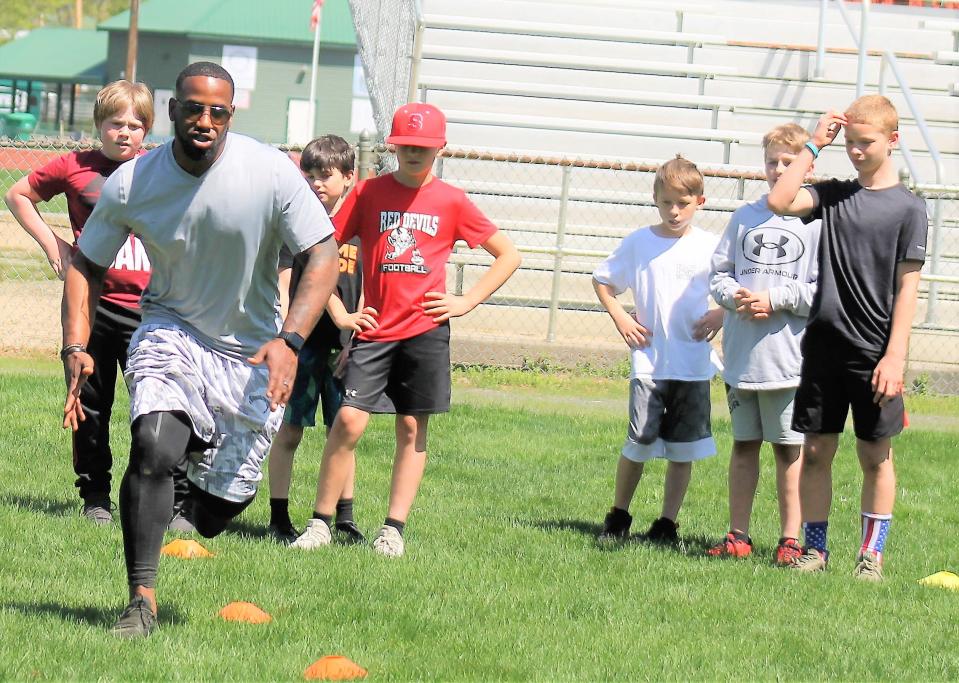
point(869, 568)
point(316, 535)
point(811, 560)
point(136, 621)
point(389, 542)
point(98, 510)
point(180, 524)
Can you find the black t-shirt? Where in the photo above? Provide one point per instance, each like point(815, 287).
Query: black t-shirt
point(349, 286)
point(865, 234)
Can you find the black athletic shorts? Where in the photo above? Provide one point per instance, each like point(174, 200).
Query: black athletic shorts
point(830, 384)
point(414, 373)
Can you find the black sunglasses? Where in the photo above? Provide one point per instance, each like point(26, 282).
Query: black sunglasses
point(194, 110)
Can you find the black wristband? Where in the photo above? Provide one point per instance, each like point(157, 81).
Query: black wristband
point(71, 349)
point(293, 340)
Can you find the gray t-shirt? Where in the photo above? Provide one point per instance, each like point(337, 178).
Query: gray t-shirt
point(865, 234)
point(213, 240)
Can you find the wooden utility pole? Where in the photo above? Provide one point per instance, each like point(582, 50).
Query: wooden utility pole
point(131, 72)
point(75, 89)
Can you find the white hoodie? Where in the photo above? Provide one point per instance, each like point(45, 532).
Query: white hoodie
point(762, 251)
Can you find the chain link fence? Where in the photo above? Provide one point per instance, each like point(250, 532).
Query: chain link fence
point(386, 34)
point(565, 216)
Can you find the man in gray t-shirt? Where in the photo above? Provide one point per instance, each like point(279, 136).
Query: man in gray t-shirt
point(209, 369)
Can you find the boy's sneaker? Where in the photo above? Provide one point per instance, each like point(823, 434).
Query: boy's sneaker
point(734, 545)
point(615, 527)
point(811, 560)
point(316, 535)
point(98, 510)
point(136, 621)
point(663, 531)
point(350, 531)
point(869, 568)
point(389, 542)
point(787, 552)
point(283, 533)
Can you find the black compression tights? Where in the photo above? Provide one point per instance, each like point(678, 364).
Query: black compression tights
point(159, 445)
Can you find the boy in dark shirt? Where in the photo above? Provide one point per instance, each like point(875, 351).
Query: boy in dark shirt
point(327, 163)
point(854, 352)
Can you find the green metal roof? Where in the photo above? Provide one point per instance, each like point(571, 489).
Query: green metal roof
point(56, 55)
point(286, 21)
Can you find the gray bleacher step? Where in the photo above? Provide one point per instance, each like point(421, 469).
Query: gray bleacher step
point(591, 94)
point(578, 30)
point(577, 63)
point(797, 62)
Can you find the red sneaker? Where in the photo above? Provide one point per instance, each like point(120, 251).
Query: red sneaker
point(787, 552)
point(734, 545)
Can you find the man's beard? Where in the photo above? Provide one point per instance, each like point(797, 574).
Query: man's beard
point(194, 153)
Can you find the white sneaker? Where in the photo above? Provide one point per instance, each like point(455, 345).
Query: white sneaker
point(389, 542)
point(316, 534)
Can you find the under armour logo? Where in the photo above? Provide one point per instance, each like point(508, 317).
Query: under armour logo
point(415, 122)
point(778, 246)
point(770, 245)
point(351, 393)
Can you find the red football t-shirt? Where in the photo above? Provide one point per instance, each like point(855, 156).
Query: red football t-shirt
point(406, 236)
point(80, 176)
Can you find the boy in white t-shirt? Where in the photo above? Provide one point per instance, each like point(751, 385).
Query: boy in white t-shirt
point(667, 268)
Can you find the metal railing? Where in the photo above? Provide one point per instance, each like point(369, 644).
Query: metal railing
point(859, 40)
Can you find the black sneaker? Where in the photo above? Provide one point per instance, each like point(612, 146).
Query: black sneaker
point(283, 533)
point(98, 510)
point(136, 621)
point(615, 527)
point(663, 531)
point(350, 531)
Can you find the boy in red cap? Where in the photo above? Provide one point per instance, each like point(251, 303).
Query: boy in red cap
point(407, 222)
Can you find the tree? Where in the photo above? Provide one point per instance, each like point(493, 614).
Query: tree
point(17, 15)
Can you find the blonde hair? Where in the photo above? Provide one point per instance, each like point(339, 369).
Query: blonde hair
point(681, 174)
point(874, 110)
point(792, 136)
point(115, 97)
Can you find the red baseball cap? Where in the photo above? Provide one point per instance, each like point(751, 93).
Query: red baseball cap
point(419, 125)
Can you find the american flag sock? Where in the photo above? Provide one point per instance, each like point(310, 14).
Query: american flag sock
point(875, 529)
point(815, 533)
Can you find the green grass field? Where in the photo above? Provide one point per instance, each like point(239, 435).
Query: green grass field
point(502, 578)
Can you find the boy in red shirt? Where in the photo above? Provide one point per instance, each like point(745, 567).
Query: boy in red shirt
point(407, 222)
point(123, 114)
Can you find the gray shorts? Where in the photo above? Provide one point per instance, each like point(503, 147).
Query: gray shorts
point(765, 415)
point(225, 400)
point(668, 419)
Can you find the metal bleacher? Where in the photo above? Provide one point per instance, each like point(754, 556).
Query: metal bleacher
point(619, 76)
point(541, 95)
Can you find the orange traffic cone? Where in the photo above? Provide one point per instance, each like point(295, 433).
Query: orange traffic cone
point(185, 549)
point(246, 612)
point(334, 668)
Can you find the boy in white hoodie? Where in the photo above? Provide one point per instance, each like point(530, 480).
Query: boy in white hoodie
point(764, 274)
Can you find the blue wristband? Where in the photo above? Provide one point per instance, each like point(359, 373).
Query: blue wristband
point(813, 149)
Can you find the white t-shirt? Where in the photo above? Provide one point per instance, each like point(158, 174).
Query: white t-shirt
point(214, 240)
point(669, 279)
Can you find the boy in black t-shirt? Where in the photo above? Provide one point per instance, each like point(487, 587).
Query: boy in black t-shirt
point(854, 351)
point(327, 162)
